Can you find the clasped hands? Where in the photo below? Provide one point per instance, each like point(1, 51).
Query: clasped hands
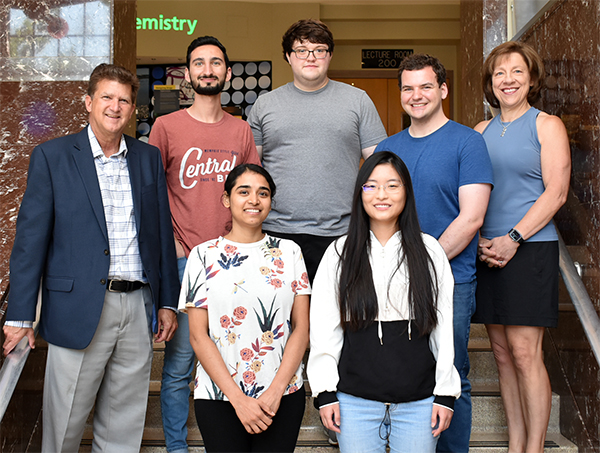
point(256, 414)
point(496, 252)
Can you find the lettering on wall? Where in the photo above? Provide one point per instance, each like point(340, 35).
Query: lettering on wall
point(161, 23)
point(384, 58)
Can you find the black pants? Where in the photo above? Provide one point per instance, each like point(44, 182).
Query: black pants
point(313, 248)
point(222, 430)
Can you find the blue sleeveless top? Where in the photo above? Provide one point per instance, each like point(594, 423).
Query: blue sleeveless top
point(517, 176)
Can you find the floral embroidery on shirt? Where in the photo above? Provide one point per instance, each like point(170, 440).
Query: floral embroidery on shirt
point(265, 270)
point(240, 313)
point(300, 284)
point(231, 257)
point(228, 324)
point(260, 347)
point(292, 386)
point(231, 337)
point(217, 394)
point(193, 287)
point(246, 354)
point(273, 252)
point(249, 385)
point(266, 323)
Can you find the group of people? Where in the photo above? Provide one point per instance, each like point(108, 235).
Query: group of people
point(187, 239)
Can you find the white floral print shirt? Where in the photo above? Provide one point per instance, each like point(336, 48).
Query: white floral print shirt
point(248, 290)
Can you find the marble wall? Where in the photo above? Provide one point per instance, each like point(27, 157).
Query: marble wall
point(483, 27)
point(568, 39)
point(45, 58)
point(47, 51)
point(567, 36)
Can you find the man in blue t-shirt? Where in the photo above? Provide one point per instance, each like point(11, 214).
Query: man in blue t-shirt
point(452, 177)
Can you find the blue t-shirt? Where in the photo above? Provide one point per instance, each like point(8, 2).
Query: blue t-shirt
point(439, 164)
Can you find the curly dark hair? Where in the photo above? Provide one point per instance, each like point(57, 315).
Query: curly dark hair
point(310, 30)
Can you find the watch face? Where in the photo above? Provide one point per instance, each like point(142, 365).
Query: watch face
point(515, 236)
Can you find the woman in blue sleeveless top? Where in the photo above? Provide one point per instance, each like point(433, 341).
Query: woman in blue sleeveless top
point(517, 273)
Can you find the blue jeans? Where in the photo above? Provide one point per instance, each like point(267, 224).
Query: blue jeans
point(366, 426)
point(176, 378)
point(456, 438)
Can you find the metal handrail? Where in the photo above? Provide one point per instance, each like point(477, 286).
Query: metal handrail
point(14, 362)
point(581, 300)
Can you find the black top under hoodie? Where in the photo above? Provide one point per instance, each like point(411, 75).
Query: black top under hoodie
point(400, 370)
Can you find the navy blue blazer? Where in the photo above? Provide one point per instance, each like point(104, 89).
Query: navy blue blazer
point(62, 240)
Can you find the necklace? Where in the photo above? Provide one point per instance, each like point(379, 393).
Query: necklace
point(504, 127)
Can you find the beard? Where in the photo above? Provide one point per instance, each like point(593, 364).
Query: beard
point(210, 90)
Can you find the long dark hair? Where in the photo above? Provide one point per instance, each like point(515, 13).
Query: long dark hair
point(357, 298)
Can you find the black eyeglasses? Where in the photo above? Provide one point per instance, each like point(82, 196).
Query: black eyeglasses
point(303, 54)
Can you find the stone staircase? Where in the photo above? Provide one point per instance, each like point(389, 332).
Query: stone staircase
point(489, 425)
point(489, 431)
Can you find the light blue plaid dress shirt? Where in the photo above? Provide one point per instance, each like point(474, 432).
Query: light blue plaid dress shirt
point(115, 187)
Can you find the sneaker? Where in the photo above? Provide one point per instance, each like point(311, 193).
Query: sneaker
point(331, 436)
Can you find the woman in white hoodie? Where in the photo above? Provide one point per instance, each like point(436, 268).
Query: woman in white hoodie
point(381, 360)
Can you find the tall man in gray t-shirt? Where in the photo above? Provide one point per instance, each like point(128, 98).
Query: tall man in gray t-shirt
point(310, 134)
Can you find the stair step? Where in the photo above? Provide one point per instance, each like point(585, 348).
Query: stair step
point(153, 439)
point(480, 443)
point(157, 361)
point(484, 371)
point(489, 422)
point(478, 332)
point(489, 417)
point(498, 443)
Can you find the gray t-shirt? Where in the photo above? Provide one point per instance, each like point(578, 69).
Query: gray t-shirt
point(312, 143)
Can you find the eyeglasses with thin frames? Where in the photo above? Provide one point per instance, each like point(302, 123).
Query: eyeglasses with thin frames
point(319, 54)
point(390, 187)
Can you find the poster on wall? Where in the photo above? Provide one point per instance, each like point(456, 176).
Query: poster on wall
point(249, 79)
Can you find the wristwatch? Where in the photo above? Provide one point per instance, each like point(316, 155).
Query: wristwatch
point(516, 236)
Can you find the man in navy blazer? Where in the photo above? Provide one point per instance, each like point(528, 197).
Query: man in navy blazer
point(94, 233)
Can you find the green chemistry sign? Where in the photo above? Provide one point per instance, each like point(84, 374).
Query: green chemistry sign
point(161, 24)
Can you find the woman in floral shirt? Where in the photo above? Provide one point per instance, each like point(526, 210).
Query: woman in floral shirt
point(246, 295)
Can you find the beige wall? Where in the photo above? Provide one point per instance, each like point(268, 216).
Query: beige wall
point(253, 31)
point(250, 31)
